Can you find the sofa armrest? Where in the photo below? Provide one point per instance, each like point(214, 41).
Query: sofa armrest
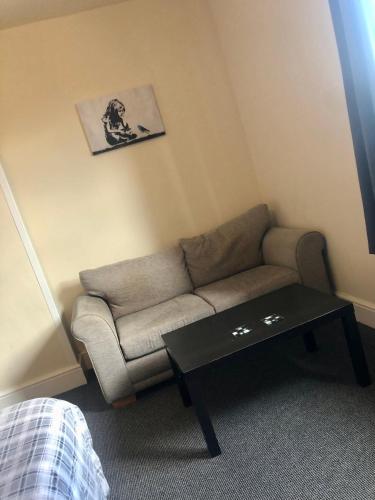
point(304, 251)
point(92, 324)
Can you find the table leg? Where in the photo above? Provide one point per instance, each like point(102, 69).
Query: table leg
point(184, 393)
point(310, 342)
point(354, 342)
point(203, 417)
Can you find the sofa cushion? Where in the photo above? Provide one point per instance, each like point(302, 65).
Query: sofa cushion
point(133, 285)
point(228, 249)
point(247, 285)
point(140, 332)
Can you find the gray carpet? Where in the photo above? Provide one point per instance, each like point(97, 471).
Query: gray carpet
point(291, 425)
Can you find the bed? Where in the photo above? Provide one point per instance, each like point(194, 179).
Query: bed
point(46, 453)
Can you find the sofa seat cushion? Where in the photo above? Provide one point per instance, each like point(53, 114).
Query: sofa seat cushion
point(229, 249)
point(247, 285)
point(132, 285)
point(140, 332)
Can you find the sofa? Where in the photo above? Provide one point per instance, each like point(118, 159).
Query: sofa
point(128, 305)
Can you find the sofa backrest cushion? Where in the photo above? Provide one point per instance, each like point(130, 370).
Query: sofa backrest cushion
point(132, 285)
point(228, 249)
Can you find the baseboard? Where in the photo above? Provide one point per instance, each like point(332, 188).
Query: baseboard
point(52, 386)
point(364, 310)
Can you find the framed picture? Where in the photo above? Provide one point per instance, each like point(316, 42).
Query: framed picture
point(121, 119)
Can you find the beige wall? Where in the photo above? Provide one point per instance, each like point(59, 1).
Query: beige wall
point(32, 347)
point(84, 211)
point(267, 99)
point(285, 72)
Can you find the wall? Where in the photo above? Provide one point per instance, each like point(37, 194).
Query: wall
point(33, 348)
point(268, 99)
point(84, 211)
point(285, 72)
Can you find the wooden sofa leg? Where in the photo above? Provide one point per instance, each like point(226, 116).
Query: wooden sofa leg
point(124, 402)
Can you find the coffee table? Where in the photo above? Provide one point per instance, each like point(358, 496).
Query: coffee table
point(293, 310)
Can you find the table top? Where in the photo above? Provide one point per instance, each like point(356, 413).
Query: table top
point(223, 334)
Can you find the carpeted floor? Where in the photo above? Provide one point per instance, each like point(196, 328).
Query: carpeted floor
point(291, 425)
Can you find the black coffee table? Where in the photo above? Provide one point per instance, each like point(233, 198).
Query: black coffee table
point(293, 310)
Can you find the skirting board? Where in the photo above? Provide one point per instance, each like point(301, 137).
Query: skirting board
point(364, 311)
point(48, 387)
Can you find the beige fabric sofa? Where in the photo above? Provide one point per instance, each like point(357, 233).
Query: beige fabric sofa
point(130, 304)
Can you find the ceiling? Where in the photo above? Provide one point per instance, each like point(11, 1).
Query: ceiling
point(17, 12)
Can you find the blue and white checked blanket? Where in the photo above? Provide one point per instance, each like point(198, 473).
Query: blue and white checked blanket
point(46, 453)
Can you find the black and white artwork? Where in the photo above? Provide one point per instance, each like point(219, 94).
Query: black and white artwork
point(121, 119)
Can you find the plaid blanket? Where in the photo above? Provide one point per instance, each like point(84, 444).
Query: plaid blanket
point(46, 453)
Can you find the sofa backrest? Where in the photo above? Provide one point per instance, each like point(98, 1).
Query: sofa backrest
point(229, 249)
point(132, 285)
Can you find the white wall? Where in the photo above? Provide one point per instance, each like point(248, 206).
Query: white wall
point(247, 90)
point(34, 350)
point(285, 73)
point(84, 211)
